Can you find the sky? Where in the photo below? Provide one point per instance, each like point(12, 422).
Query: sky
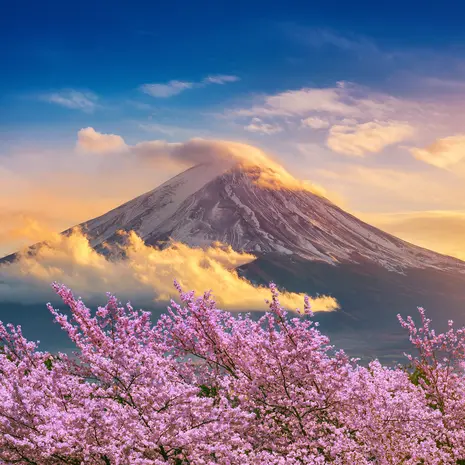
point(364, 99)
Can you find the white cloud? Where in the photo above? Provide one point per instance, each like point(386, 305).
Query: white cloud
point(220, 79)
point(174, 87)
point(315, 123)
point(301, 102)
point(258, 126)
point(89, 140)
point(442, 153)
point(76, 100)
point(166, 90)
point(345, 102)
point(372, 137)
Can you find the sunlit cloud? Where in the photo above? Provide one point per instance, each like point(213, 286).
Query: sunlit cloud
point(76, 100)
point(89, 140)
point(20, 229)
point(390, 187)
point(301, 102)
point(360, 139)
point(195, 151)
point(443, 153)
point(146, 273)
point(441, 231)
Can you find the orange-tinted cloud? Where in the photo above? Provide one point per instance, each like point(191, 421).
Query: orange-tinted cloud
point(443, 153)
point(146, 273)
point(89, 140)
point(272, 175)
point(441, 231)
point(359, 139)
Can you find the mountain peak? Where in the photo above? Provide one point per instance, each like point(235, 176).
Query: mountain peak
point(261, 209)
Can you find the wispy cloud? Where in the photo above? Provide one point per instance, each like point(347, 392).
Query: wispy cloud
point(220, 79)
point(166, 90)
point(302, 101)
point(314, 122)
point(359, 139)
point(74, 99)
point(258, 126)
point(323, 37)
point(439, 230)
point(174, 87)
point(442, 153)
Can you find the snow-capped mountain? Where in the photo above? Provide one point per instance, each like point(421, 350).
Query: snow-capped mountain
point(303, 242)
point(229, 204)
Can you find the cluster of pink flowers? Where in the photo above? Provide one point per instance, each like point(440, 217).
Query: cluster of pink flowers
point(203, 386)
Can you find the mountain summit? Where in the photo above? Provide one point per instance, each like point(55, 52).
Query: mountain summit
point(262, 211)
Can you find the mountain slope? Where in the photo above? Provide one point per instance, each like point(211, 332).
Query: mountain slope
point(210, 203)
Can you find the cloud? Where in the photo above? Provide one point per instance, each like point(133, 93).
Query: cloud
point(271, 175)
point(323, 37)
point(315, 123)
point(220, 79)
point(442, 153)
point(19, 229)
point(195, 151)
point(300, 102)
point(76, 100)
point(357, 119)
point(145, 274)
point(258, 126)
point(360, 139)
point(89, 140)
point(390, 187)
point(441, 231)
point(172, 88)
point(166, 90)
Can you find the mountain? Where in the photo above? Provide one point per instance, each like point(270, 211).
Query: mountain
point(302, 242)
point(209, 203)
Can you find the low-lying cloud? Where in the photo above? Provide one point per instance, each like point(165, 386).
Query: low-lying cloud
point(145, 274)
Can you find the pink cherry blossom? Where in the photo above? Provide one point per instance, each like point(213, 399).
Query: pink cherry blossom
point(202, 386)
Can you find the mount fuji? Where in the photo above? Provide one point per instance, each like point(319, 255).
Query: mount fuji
point(302, 241)
point(212, 203)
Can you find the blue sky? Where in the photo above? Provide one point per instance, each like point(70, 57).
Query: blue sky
point(111, 48)
point(358, 97)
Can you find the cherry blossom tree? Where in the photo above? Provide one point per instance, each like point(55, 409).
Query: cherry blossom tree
point(202, 386)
